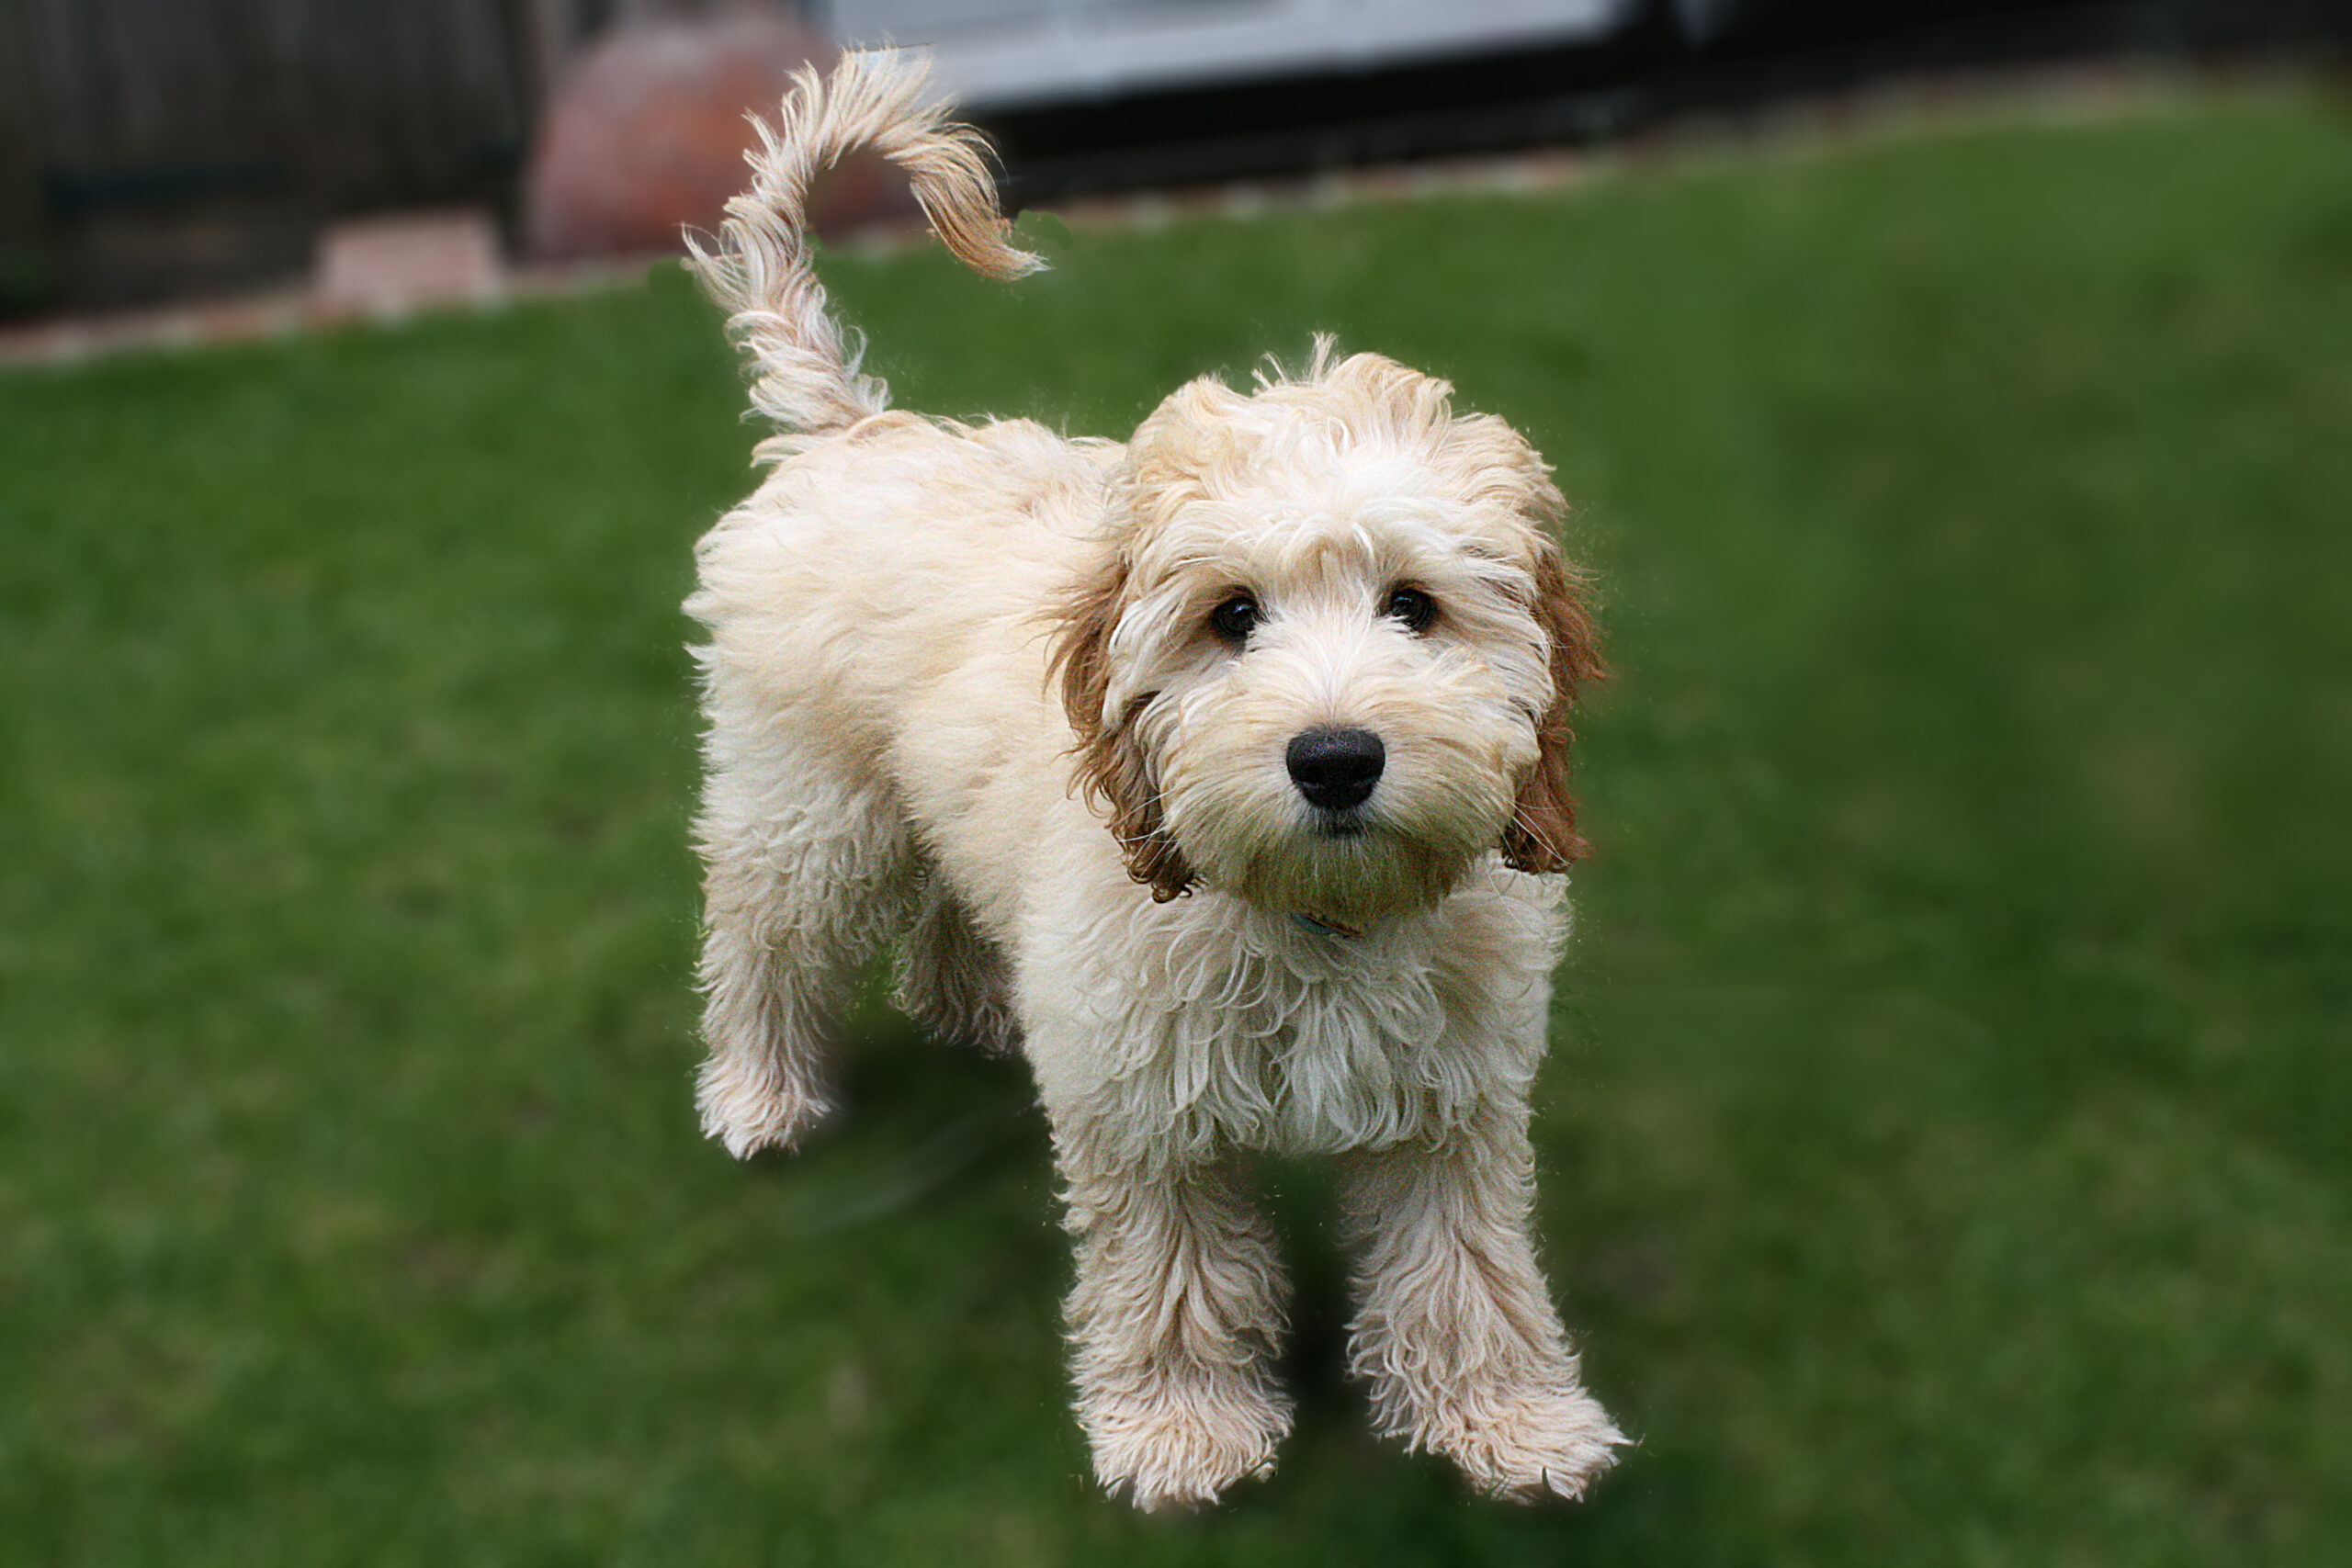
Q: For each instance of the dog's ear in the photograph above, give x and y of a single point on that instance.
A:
(1177, 451)
(1542, 836)
(1111, 766)
(1494, 466)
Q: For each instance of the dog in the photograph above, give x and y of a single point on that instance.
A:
(1222, 773)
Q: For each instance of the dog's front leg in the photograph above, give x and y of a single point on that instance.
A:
(1174, 1320)
(1455, 1331)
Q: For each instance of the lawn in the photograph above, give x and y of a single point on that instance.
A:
(1948, 1142)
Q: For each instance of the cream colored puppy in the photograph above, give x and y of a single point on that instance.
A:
(1223, 774)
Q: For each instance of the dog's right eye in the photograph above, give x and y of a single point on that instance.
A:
(1235, 619)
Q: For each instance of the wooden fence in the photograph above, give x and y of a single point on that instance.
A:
(156, 147)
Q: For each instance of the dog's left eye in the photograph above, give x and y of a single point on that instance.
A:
(1236, 618)
(1412, 606)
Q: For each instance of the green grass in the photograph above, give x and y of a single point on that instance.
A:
(1946, 1153)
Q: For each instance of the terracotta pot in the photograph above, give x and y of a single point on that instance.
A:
(647, 135)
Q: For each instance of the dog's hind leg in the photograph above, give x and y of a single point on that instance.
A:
(952, 979)
(805, 868)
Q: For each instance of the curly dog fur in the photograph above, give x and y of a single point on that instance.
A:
(1222, 773)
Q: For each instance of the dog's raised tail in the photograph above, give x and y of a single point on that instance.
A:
(804, 374)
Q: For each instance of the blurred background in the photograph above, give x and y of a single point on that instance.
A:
(153, 149)
(1944, 1150)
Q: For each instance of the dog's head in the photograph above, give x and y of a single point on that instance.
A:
(1327, 660)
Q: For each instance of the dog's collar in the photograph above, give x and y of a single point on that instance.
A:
(1329, 927)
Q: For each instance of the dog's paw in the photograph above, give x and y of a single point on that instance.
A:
(1527, 1446)
(749, 1109)
(1182, 1449)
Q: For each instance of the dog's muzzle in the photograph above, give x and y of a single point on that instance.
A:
(1335, 769)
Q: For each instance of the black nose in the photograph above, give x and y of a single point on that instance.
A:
(1335, 768)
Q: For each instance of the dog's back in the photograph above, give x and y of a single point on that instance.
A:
(891, 591)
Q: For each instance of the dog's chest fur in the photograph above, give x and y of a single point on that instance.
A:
(1248, 1028)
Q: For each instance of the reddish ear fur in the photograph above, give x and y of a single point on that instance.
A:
(1110, 765)
(1543, 835)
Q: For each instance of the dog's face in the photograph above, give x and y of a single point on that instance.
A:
(1327, 662)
